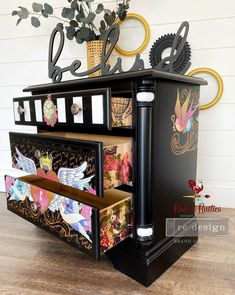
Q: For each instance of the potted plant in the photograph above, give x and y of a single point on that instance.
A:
(81, 20)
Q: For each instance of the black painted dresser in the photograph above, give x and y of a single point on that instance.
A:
(109, 163)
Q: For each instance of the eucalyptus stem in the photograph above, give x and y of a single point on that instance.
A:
(94, 27)
(87, 12)
(78, 18)
(85, 8)
(53, 16)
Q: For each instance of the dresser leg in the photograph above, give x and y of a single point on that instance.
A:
(145, 265)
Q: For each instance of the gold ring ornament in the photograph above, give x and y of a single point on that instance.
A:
(219, 81)
(146, 39)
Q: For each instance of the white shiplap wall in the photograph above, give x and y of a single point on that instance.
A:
(23, 61)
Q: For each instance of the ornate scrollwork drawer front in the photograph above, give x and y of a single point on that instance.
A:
(93, 163)
(81, 219)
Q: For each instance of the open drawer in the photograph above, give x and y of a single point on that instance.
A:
(85, 221)
(94, 163)
(86, 109)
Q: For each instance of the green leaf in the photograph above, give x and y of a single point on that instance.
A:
(92, 36)
(35, 22)
(107, 11)
(74, 5)
(70, 30)
(121, 6)
(122, 11)
(70, 37)
(102, 33)
(14, 12)
(122, 16)
(37, 7)
(18, 21)
(102, 24)
(73, 23)
(109, 19)
(79, 41)
(102, 29)
(90, 18)
(60, 25)
(80, 15)
(23, 13)
(67, 13)
(114, 14)
(44, 13)
(84, 34)
(99, 8)
(48, 8)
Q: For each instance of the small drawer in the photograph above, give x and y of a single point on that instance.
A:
(121, 112)
(92, 224)
(84, 110)
(94, 163)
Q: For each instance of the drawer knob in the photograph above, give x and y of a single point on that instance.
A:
(20, 110)
(34, 207)
(75, 109)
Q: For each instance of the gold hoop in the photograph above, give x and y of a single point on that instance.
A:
(219, 81)
(146, 39)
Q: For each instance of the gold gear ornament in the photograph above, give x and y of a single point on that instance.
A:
(219, 81)
(146, 39)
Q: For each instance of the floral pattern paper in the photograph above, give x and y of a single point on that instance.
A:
(117, 165)
(50, 114)
(115, 225)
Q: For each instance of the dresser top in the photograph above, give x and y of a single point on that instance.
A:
(121, 77)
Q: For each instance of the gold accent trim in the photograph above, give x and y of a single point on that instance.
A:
(191, 143)
(219, 81)
(146, 39)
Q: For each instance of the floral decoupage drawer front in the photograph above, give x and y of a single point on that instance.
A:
(93, 163)
(85, 221)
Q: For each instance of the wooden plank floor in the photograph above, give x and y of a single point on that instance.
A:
(33, 262)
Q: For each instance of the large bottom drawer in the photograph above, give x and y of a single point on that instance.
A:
(85, 221)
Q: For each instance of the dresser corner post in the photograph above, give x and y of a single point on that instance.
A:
(143, 207)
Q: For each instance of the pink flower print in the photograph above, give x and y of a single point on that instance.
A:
(86, 211)
(8, 183)
(91, 190)
(104, 239)
(124, 169)
(16, 166)
(41, 200)
(51, 121)
(110, 163)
